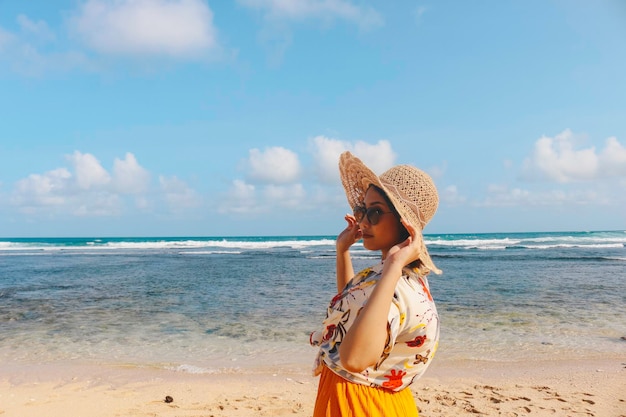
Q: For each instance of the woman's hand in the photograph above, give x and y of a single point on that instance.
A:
(405, 252)
(349, 236)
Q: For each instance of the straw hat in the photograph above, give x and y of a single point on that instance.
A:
(411, 191)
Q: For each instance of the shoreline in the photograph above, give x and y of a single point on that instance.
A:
(590, 387)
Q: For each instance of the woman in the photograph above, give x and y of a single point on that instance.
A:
(381, 329)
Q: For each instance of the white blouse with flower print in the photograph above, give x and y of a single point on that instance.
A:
(412, 330)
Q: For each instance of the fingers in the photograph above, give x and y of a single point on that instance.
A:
(350, 219)
(353, 224)
(351, 233)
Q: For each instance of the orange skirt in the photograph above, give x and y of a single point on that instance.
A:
(338, 397)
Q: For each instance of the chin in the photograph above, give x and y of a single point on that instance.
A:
(370, 244)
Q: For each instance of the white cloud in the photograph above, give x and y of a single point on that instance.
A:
(178, 194)
(378, 157)
(241, 198)
(89, 172)
(98, 204)
(326, 153)
(244, 198)
(5, 38)
(451, 196)
(504, 196)
(86, 189)
(130, 177)
(274, 173)
(291, 196)
(613, 159)
(243, 191)
(34, 50)
(182, 29)
(558, 159)
(276, 34)
(275, 165)
(179, 28)
(273, 176)
(364, 17)
(438, 171)
(39, 29)
(48, 189)
(58, 192)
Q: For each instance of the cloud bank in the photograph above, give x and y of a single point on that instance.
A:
(583, 175)
(103, 31)
(277, 178)
(98, 32)
(275, 165)
(179, 28)
(559, 159)
(85, 188)
(274, 175)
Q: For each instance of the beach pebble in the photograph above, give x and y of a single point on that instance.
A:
(168, 399)
(623, 337)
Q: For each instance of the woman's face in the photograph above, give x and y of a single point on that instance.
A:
(388, 231)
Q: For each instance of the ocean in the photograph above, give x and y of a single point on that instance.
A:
(236, 304)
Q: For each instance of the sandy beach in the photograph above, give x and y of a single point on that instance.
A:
(547, 388)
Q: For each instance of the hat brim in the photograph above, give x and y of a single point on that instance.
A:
(356, 178)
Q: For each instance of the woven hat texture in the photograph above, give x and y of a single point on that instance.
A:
(411, 191)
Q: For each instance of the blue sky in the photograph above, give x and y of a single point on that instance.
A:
(212, 118)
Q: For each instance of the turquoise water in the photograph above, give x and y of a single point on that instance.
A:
(231, 303)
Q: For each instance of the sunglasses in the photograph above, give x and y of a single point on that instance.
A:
(373, 214)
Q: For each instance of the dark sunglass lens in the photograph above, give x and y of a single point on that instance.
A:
(373, 215)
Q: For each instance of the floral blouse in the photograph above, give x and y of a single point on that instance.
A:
(412, 330)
